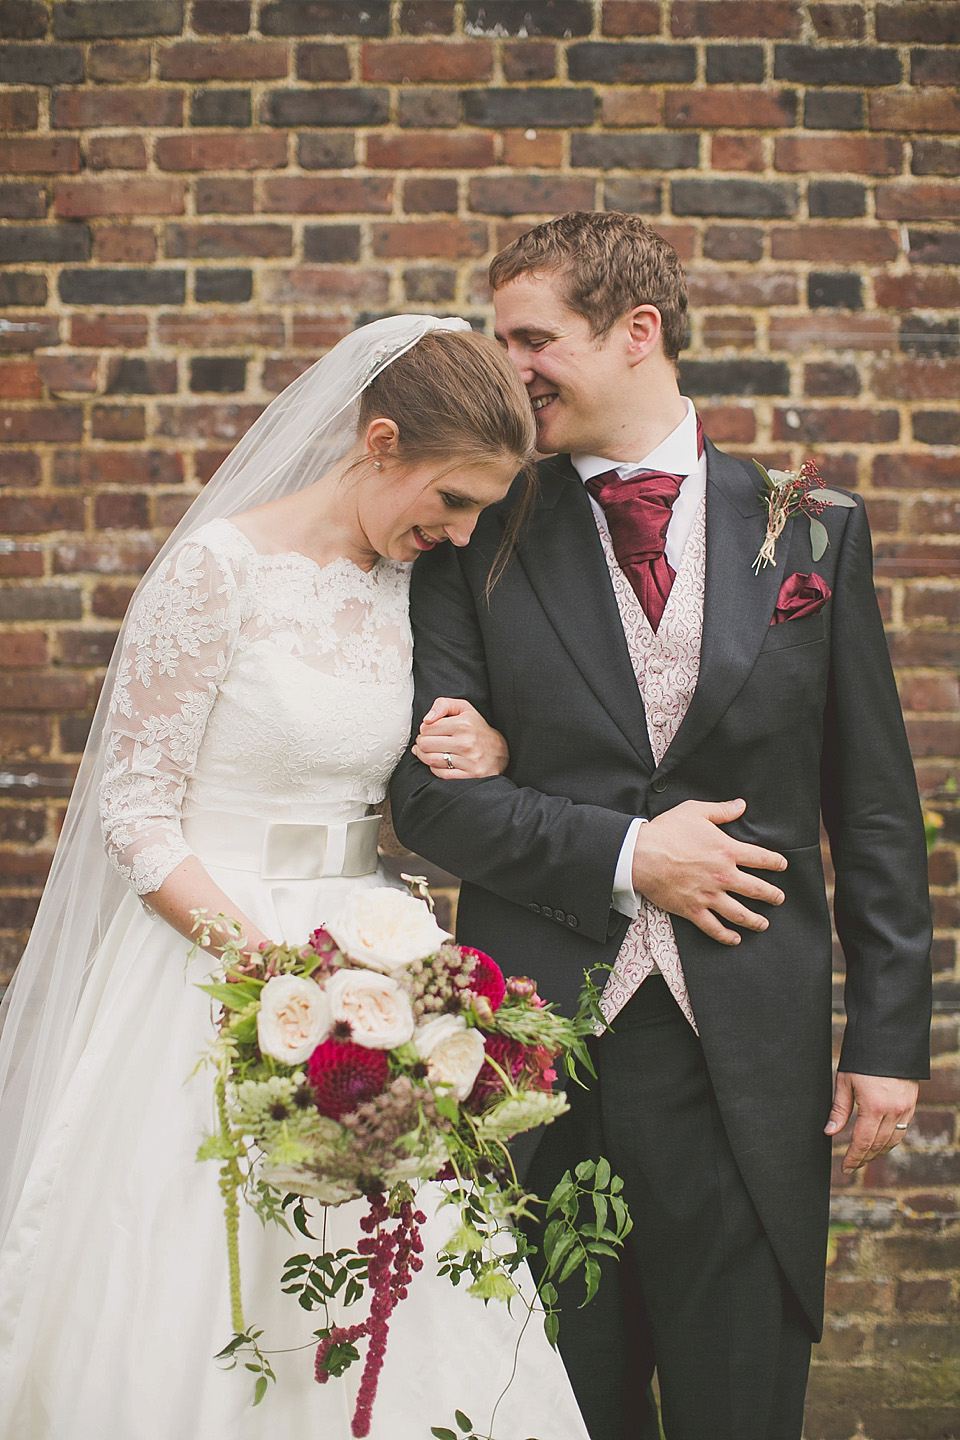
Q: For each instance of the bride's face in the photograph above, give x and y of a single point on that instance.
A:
(406, 510)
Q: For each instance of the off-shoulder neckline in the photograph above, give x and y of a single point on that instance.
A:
(339, 562)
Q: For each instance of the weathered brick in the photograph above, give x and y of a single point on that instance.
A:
(935, 157)
(630, 17)
(40, 602)
(430, 196)
(936, 427)
(75, 199)
(226, 286)
(116, 152)
(86, 648)
(221, 17)
(933, 24)
(23, 19)
(222, 242)
(557, 18)
(767, 19)
(834, 291)
(137, 376)
(636, 197)
(529, 194)
(323, 282)
(428, 107)
(108, 330)
(224, 374)
(722, 287)
(912, 200)
(865, 155)
(402, 62)
(26, 201)
(935, 67)
(428, 151)
(523, 149)
(335, 194)
(735, 377)
(925, 379)
(733, 242)
(831, 425)
(634, 152)
(427, 17)
(320, 17)
(20, 380)
(445, 239)
(840, 243)
(118, 422)
(28, 334)
(20, 562)
(33, 514)
(111, 61)
(343, 106)
(43, 64)
(934, 247)
(223, 60)
(632, 63)
(221, 152)
(98, 19)
(223, 195)
(838, 22)
(117, 467)
(925, 110)
(929, 336)
(19, 110)
(50, 243)
(327, 150)
(759, 199)
(736, 108)
(220, 107)
(113, 555)
(825, 379)
(735, 64)
(203, 421)
(529, 60)
(146, 108)
(323, 63)
(124, 244)
(836, 199)
(69, 374)
(630, 106)
(278, 373)
(836, 65)
(833, 110)
(213, 330)
(430, 284)
(109, 602)
(530, 107)
(36, 155)
(722, 329)
(122, 287)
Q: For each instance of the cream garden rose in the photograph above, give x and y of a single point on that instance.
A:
(375, 1007)
(453, 1053)
(294, 1018)
(386, 929)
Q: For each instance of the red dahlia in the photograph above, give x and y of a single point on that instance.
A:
(486, 977)
(344, 1076)
(511, 1057)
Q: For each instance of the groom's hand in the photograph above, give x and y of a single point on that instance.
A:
(884, 1108)
(684, 863)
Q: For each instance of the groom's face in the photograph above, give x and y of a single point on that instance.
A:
(579, 385)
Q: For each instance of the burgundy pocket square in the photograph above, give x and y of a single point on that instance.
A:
(800, 595)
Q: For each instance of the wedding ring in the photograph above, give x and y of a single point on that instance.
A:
(449, 759)
(901, 1127)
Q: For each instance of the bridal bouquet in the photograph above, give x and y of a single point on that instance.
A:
(374, 1057)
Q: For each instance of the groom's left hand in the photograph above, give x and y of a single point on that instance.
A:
(882, 1103)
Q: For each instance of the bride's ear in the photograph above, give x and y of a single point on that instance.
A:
(380, 440)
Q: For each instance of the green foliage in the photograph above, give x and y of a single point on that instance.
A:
(245, 1344)
(339, 1357)
(318, 1279)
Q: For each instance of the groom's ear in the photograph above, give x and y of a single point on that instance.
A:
(643, 325)
(382, 435)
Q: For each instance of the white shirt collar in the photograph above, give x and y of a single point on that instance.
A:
(677, 454)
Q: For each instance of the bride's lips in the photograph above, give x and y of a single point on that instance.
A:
(422, 540)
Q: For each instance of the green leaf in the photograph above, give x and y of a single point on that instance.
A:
(573, 1260)
(592, 1270)
(558, 1253)
(462, 1421)
(819, 539)
(603, 1174)
(832, 497)
(551, 1326)
(234, 997)
(260, 1389)
(766, 478)
(442, 1433)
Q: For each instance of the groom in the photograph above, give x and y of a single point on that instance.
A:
(678, 721)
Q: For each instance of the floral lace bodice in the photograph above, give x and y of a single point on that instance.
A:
(254, 684)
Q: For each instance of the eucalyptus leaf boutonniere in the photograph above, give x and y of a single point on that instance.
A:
(787, 493)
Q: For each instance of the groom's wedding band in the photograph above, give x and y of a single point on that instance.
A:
(900, 1127)
(449, 759)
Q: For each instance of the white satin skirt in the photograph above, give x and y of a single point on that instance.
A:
(114, 1291)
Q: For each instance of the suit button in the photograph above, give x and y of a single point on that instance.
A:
(572, 921)
(534, 907)
(659, 785)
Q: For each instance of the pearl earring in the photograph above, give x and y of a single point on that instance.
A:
(378, 464)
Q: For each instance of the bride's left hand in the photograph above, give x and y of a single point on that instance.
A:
(457, 743)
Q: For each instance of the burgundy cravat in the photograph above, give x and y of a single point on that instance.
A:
(638, 512)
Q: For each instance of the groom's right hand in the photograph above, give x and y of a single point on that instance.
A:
(685, 864)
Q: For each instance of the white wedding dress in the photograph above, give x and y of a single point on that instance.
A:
(256, 692)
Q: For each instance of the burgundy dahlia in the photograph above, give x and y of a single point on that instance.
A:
(511, 1057)
(486, 977)
(344, 1076)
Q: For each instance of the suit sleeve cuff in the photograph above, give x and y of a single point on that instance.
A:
(624, 896)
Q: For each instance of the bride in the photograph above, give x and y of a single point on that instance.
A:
(258, 699)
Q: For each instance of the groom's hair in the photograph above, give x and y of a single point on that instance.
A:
(608, 263)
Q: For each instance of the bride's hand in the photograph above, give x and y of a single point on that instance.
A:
(457, 743)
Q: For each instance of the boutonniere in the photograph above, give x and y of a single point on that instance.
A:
(789, 492)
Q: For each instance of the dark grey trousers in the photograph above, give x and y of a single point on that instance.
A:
(699, 1296)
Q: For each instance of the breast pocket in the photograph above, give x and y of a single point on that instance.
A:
(789, 633)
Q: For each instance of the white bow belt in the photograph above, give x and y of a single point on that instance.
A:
(279, 850)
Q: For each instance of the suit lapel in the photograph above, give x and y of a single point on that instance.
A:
(737, 604)
(563, 559)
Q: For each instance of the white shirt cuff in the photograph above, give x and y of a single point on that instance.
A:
(624, 896)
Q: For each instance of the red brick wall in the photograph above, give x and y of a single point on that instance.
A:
(200, 197)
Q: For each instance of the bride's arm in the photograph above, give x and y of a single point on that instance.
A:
(178, 641)
(455, 729)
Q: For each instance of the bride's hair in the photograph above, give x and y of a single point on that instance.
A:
(456, 398)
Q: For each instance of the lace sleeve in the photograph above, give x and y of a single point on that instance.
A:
(177, 646)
